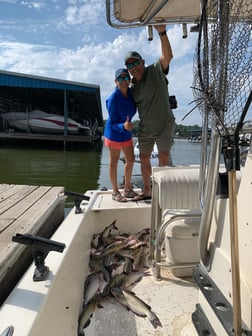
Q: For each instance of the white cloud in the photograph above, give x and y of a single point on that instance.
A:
(92, 49)
(76, 43)
(33, 4)
(85, 12)
(96, 63)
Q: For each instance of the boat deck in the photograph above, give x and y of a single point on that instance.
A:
(104, 201)
(173, 299)
(25, 209)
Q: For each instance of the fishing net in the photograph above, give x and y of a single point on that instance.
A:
(222, 88)
(223, 62)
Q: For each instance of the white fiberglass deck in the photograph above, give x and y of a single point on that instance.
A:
(172, 299)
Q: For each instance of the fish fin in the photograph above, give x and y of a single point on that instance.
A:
(137, 313)
(87, 323)
(147, 273)
(133, 293)
(129, 291)
(114, 226)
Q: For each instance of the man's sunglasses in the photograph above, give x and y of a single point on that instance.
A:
(133, 64)
(121, 79)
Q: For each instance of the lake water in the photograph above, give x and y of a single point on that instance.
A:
(76, 170)
(183, 153)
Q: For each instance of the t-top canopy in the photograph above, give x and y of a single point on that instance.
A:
(135, 13)
(130, 13)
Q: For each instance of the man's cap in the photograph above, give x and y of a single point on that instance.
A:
(132, 54)
(120, 72)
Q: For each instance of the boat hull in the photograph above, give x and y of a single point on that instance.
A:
(42, 122)
(52, 307)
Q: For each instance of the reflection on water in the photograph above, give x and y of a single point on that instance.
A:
(183, 153)
(76, 169)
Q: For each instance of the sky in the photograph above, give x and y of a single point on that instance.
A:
(71, 40)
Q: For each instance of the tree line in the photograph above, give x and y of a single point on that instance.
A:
(182, 131)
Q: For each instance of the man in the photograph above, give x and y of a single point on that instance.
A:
(157, 122)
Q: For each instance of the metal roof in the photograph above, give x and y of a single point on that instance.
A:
(19, 92)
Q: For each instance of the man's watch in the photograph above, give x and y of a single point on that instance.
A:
(162, 33)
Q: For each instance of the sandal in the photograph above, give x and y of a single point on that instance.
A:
(117, 196)
(130, 193)
(141, 197)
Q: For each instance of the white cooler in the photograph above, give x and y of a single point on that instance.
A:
(181, 244)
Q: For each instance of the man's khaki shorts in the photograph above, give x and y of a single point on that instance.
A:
(164, 140)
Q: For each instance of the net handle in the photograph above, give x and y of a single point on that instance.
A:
(243, 115)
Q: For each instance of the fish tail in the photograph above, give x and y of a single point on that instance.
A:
(155, 321)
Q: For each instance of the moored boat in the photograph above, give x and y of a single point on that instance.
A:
(41, 122)
(31, 305)
(153, 157)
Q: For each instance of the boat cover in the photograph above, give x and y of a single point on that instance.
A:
(146, 12)
(134, 13)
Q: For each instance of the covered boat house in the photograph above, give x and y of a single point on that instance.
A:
(33, 107)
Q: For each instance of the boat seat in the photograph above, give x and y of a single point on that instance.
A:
(176, 187)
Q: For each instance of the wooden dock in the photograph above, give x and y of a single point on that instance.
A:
(36, 210)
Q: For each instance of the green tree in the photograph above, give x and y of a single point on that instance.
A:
(182, 131)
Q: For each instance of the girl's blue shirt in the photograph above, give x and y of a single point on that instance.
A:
(119, 108)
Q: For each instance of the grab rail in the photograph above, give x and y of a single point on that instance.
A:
(211, 187)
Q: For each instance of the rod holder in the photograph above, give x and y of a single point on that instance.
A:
(40, 248)
(78, 198)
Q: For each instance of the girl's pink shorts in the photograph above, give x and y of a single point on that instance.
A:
(116, 144)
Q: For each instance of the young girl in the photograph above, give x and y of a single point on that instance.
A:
(121, 108)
